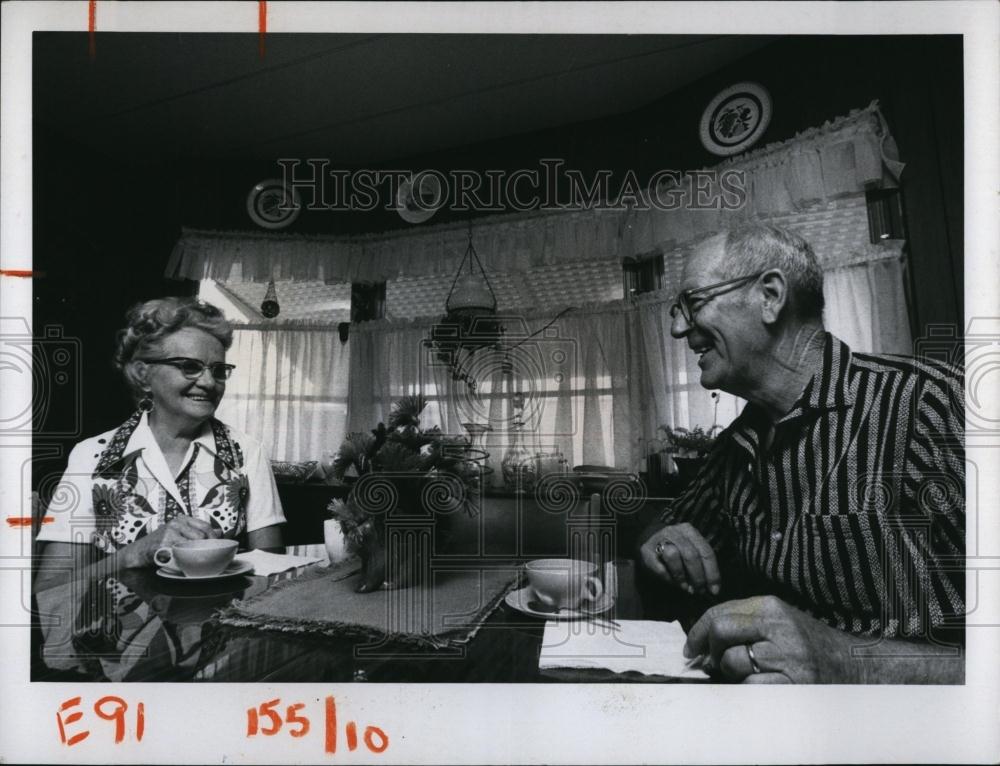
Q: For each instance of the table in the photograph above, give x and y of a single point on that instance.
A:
(136, 626)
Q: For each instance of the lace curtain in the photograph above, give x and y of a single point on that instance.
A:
(602, 379)
(598, 383)
(866, 304)
(578, 379)
(289, 388)
(388, 361)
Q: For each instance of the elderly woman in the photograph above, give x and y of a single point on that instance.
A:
(171, 472)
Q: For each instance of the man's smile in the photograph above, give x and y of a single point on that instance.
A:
(700, 349)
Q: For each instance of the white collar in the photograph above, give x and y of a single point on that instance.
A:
(142, 438)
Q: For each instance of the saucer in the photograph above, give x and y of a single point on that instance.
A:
(235, 568)
(518, 599)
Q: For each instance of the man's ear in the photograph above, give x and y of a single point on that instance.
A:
(774, 289)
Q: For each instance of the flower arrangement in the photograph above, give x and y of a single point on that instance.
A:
(408, 470)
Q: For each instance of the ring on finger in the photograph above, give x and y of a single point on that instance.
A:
(753, 659)
(659, 547)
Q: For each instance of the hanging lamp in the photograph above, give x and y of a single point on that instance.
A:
(471, 294)
(269, 306)
(470, 321)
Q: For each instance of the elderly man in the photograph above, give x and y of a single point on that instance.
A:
(835, 500)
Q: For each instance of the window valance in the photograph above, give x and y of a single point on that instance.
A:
(838, 159)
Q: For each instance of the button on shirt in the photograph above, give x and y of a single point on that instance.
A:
(856, 511)
(232, 488)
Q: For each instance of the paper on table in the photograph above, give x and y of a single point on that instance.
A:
(265, 563)
(644, 646)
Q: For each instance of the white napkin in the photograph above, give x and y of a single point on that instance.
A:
(645, 646)
(265, 563)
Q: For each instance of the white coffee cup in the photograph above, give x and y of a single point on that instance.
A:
(564, 583)
(198, 558)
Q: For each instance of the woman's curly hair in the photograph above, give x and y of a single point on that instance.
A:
(150, 322)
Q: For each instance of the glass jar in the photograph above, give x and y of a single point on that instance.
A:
(518, 466)
(548, 463)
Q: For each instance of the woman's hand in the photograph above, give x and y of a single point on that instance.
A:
(177, 530)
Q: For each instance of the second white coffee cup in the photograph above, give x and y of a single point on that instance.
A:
(564, 583)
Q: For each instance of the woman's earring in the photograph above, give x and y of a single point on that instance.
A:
(146, 403)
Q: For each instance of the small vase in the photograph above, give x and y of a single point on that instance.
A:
(518, 465)
(397, 546)
(371, 552)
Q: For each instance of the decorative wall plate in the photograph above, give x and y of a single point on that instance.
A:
(736, 118)
(273, 206)
(418, 198)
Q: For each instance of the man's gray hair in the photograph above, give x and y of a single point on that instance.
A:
(758, 247)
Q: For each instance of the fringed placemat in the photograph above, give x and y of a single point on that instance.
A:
(447, 610)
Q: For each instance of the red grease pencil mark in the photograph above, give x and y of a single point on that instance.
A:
(261, 25)
(299, 725)
(25, 273)
(330, 745)
(71, 718)
(92, 26)
(370, 734)
(110, 708)
(25, 521)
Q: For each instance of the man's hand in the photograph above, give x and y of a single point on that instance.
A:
(788, 645)
(681, 556)
(177, 530)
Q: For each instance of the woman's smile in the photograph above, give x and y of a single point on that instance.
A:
(174, 394)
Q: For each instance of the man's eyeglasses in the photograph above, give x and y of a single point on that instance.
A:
(193, 368)
(689, 302)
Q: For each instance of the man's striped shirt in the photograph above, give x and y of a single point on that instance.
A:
(856, 512)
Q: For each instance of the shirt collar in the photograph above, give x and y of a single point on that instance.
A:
(828, 389)
(142, 437)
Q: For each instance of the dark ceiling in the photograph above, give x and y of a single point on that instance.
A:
(351, 98)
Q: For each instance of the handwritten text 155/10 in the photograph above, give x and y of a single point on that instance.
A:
(266, 719)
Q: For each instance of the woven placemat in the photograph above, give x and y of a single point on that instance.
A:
(448, 610)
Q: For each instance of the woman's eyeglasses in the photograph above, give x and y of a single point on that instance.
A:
(193, 368)
(689, 302)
